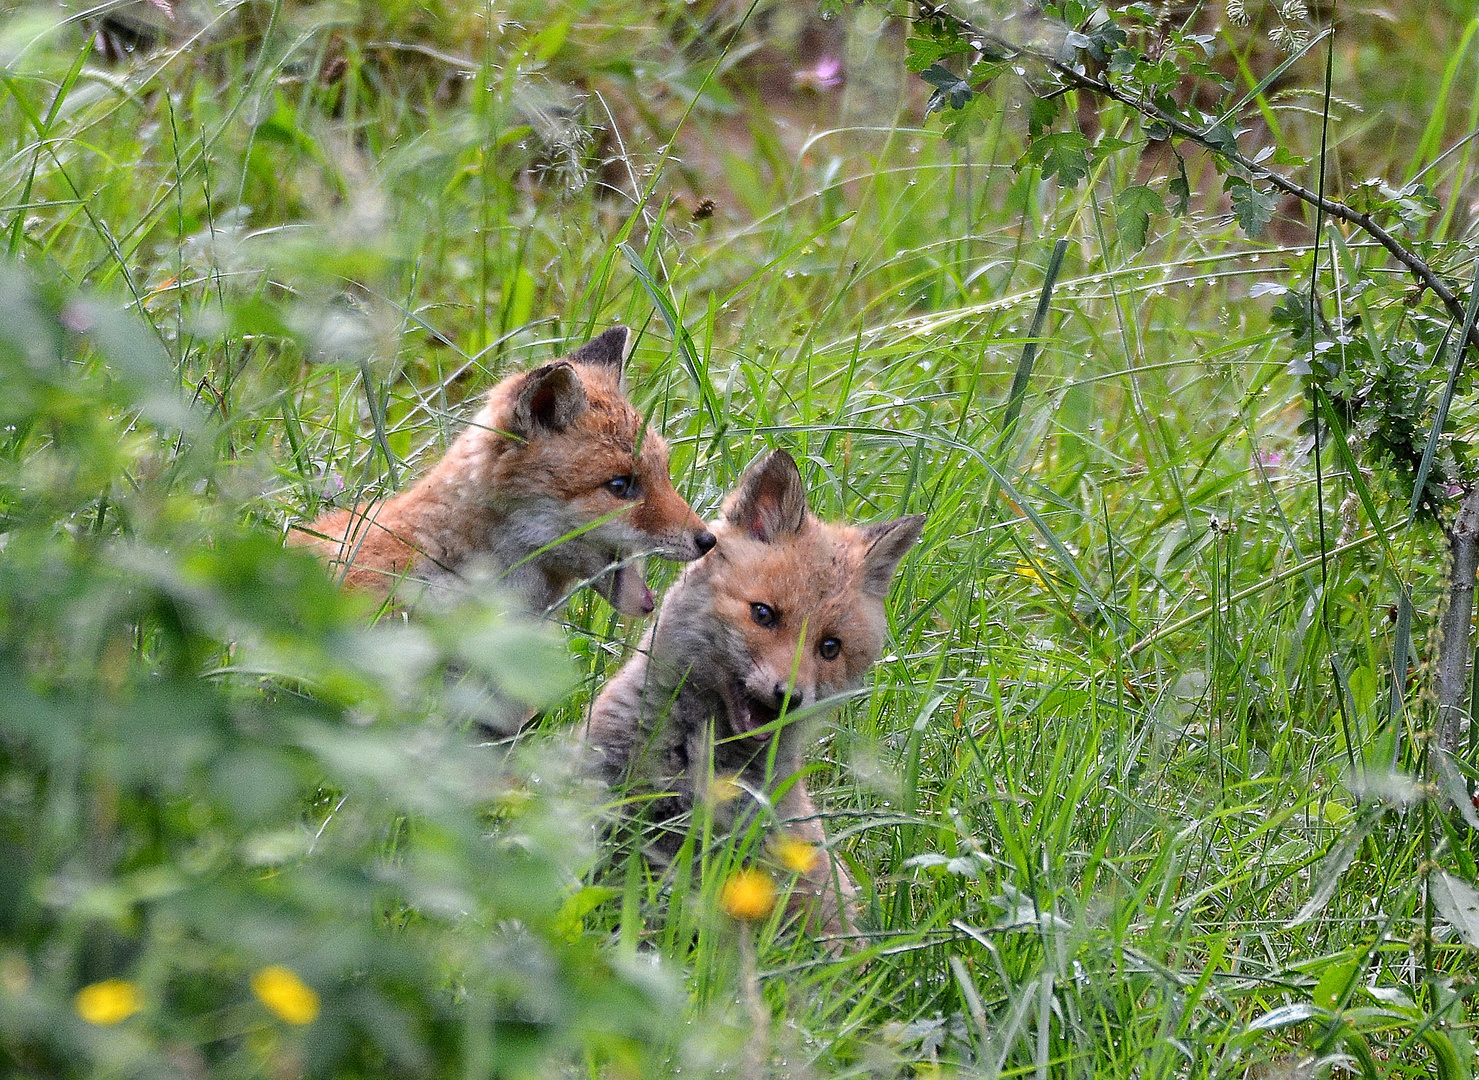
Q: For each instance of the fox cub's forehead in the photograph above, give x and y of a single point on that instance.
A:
(806, 572)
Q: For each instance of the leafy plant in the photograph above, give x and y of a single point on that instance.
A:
(240, 832)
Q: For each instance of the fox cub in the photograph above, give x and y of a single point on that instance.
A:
(555, 484)
(784, 614)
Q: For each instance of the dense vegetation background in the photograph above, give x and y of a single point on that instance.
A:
(1145, 786)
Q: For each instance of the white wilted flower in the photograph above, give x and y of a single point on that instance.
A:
(1237, 14)
(1294, 11)
(1288, 38)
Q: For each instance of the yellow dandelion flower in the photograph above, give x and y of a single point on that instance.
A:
(725, 789)
(109, 1002)
(797, 856)
(286, 996)
(1032, 574)
(748, 895)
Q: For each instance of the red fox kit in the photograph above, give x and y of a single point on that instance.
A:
(555, 483)
(786, 612)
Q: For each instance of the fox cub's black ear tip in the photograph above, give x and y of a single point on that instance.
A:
(551, 399)
(770, 501)
(888, 542)
(778, 466)
(608, 349)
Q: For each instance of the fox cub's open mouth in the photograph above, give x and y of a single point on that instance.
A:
(626, 588)
(747, 713)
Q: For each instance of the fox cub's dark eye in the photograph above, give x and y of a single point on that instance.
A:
(763, 614)
(829, 648)
(620, 486)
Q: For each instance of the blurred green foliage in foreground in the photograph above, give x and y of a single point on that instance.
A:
(154, 835)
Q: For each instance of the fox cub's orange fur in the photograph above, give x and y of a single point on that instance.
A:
(786, 612)
(556, 452)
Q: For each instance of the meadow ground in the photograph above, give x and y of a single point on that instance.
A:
(1135, 792)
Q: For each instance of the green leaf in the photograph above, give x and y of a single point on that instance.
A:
(1133, 208)
(951, 90)
(1041, 113)
(1254, 208)
(1063, 154)
(1180, 187)
(1221, 139)
(927, 51)
(1333, 984)
(1104, 40)
(1458, 902)
(567, 921)
(962, 123)
(1106, 146)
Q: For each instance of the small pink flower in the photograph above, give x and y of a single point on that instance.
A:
(825, 74)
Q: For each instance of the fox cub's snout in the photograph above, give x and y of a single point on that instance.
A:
(556, 483)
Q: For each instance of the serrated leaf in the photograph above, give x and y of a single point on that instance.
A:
(952, 91)
(1254, 208)
(1041, 112)
(1133, 208)
(1458, 902)
(1106, 146)
(961, 124)
(1063, 154)
(927, 51)
(1222, 139)
(1104, 39)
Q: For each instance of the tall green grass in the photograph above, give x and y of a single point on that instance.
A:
(1135, 791)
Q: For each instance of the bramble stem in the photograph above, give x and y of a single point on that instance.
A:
(1453, 656)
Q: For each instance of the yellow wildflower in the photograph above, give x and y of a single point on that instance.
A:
(748, 895)
(797, 856)
(109, 1002)
(725, 788)
(1031, 573)
(286, 996)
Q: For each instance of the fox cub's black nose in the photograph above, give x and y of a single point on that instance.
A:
(779, 693)
(704, 541)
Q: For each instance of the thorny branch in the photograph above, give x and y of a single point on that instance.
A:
(1453, 655)
(1080, 80)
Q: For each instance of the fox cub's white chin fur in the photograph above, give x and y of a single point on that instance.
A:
(785, 613)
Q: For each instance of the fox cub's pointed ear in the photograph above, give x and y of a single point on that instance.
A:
(888, 542)
(770, 501)
(608, 350)
(550, 400)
